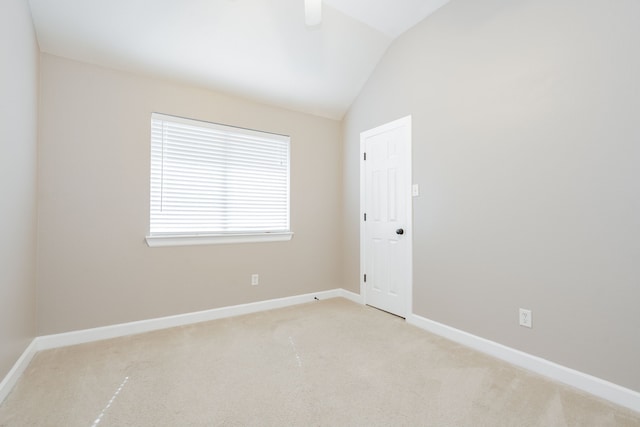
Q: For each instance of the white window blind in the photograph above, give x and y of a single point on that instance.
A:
(211, 179)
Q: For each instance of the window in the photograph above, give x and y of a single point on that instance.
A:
(212, 183)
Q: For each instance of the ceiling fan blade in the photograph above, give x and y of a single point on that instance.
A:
(313, 12)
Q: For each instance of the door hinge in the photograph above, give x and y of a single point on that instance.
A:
(365, 278)
(365, 156)
(365, 217)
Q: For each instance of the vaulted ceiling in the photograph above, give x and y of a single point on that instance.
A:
(257, 49)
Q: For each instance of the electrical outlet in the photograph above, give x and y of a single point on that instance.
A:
(255, 279)
(525, 318)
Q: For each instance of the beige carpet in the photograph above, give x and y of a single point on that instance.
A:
(328, 363)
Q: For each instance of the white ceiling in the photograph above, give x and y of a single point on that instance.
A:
(258, 49)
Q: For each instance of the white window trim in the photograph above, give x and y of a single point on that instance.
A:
(169, 239)
(216, 239)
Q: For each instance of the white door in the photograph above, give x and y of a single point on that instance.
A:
(386, 244)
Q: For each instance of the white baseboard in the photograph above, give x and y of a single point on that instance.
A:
(590, 384)
(606, 390)
(47, 342)
(351, 296)
(123, 329)
(10, 380)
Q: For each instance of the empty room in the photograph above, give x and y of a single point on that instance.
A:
(319, 213)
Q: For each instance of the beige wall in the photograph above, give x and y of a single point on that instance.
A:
(526, 146)
(95, 268)
(18, 170)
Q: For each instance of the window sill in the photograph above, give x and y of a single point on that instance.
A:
(216, 239)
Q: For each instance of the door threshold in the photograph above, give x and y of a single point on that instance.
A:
(388, 312)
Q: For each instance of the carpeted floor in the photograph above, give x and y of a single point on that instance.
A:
(328, 363)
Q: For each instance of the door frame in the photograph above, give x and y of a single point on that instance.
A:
(408, 157)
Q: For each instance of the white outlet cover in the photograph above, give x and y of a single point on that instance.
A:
(415, 190)
(255, 279)
(525, 318)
